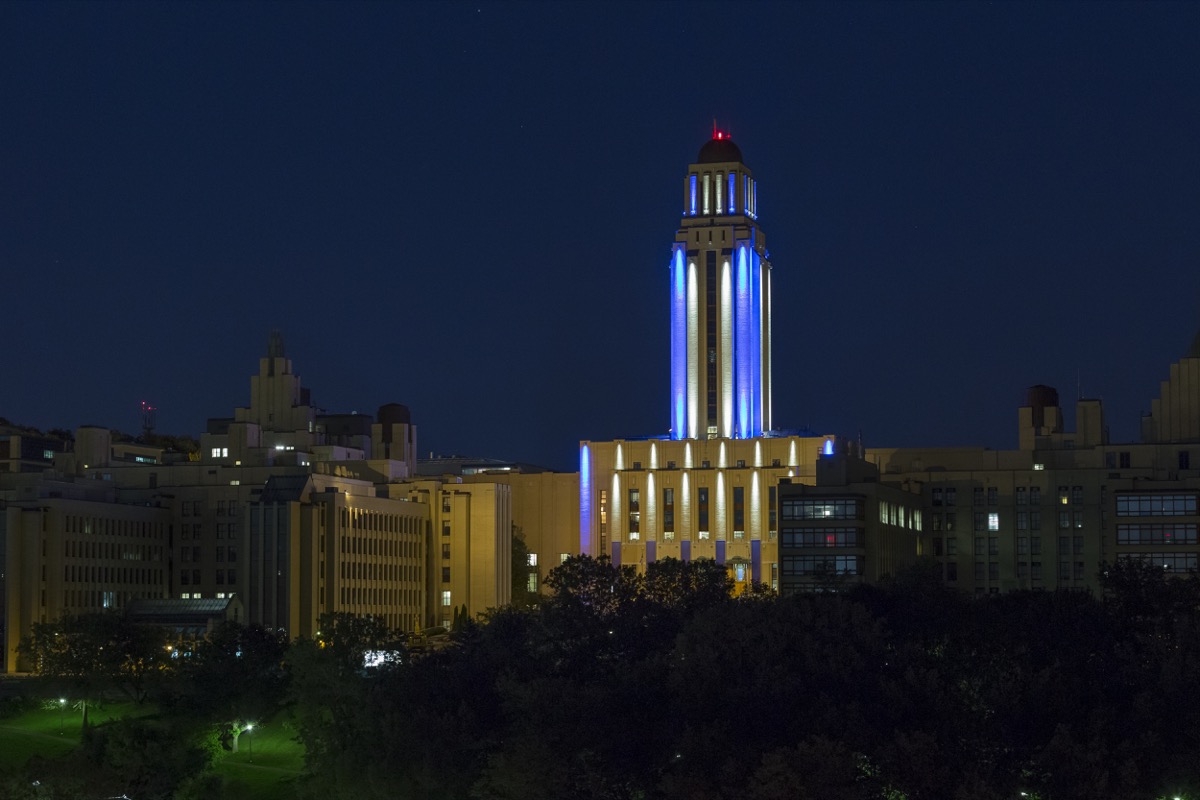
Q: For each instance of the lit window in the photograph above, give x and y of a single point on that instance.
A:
(562, 557)
(531, 586)
(531, 560)
(446, 598)
(48, 454)
(993, 521)
(216, 452)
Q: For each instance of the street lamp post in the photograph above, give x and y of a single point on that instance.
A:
(249, 728)
(62, 704)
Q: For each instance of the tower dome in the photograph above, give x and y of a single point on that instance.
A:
(719, 150)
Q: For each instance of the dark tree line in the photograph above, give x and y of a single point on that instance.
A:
(620, 686)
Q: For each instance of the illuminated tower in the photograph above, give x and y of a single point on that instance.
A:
(720, 302)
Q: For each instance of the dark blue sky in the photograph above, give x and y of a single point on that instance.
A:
(468, 208)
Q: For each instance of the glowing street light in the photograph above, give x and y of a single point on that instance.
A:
(249, 728)
(62, 704)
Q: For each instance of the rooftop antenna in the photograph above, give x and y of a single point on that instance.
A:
(148, 419)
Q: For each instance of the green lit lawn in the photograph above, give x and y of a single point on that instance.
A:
(265, 774)
(51, 732)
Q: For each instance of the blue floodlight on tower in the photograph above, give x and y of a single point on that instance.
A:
(678, 345)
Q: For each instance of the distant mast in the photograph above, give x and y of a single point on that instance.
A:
(148, 419)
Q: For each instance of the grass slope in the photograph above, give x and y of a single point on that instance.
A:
(268, 760)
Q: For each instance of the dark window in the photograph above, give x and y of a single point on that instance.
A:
(668, 511)
(772, 495)
(739, 512)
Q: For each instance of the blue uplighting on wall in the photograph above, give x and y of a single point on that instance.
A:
(732, 192)
(742, 345)
(828, 449)
(678, 346)
(692, 206)
(585, 500)
(756, 404)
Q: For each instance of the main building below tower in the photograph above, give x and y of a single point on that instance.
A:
(710, 488)
(720, 302)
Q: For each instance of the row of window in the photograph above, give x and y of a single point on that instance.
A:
(899, 516)
(669, 536)
(375, 521)
(1169, 562)
(1025, 521)
(191, 577)
(111, 527)
(990, 495)
(364, 596)
(225, 530)
(372, 546)
(358, 570)
(1026, 570)
(1157, 533)
(1026, 545)
(187, 554)
(634, 519)
(1156, 505)
(86, 573)
(830, 508)
(111, 550)
(816, 566)
(822, 537)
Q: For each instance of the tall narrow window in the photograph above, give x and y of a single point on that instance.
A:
(732, 192)
(702, 504)
(707, 182)
(739, 512)
(668, 513)
(635, 515)
(772, 515)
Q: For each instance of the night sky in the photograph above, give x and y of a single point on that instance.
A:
(469, 209)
